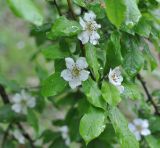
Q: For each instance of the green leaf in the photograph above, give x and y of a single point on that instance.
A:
(27, 10)
(133, 57)
(152, 141)
(49, 135)
(32, 119)
(143, 28)
(132, 91)
(116, 11)
(133, 62)
(93, 93)
(149, 57)
(113, 51)
(64, 28)
(54, 52)
(8, 115)
(92, 124)
(120, 125)
(110, 93)
(133, 14)
(91, 57)
(53, 85)
(80, 3)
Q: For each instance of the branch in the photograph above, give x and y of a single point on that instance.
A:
(56, 5)
(71, 9)
(6, 134)
(4, 95)
(150, 99)
(5, 99)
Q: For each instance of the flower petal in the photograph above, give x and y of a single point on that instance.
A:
(131, 127)
(94, 37)
(84, 37)
(138, 121)
(66, 74)
(145, 124)
(84, 74)
(145, 132)
(16, 108)
(18, 135)
(137, 135)
(69, 63)
(16, 98)
(90, 16)
(82, 23)
(81, 63)
(120, 88)
(31, 102)
(74, 83)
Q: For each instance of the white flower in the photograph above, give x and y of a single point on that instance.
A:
(116, 78)
(22, 101)
(65, 134)
(139, 127)
(89, 27)
(18, 135)
(75, 72)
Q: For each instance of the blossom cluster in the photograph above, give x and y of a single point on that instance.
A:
(75, 72)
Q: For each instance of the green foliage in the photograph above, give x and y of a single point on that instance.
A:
(27, 10)
(120, 125)
(64, 28)
(91, 57)
(92, 124)
(53, 85)
(110, 94)
(95, 114)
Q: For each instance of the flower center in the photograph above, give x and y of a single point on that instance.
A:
(90, 27)
(139, 128)
(75, 72)
(23, 102)
(114, 77)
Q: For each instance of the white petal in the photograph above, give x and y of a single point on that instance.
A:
(116, 74)
(82, 23)
(110, 75)
(31, 102)
(24, 95)
(68, 141)
(81, 63)
(138, 121)
(16, 98)
(74, 83)
(64, 129)
(94, 37)
(90, 16)
(145, 124)
(84, 74)
(131, 127)
(69, 63)
(66, 74)
(120, 88)
(17, 134)
(145, 132)
(97, 26)
(84, 37)
(24, 110)
(16, 108)
(137, 135)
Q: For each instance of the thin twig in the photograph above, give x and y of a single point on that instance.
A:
(5, 99)
(6, 134)
(56, 5)
(71, 9)
(4, 95)
(150, 99)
